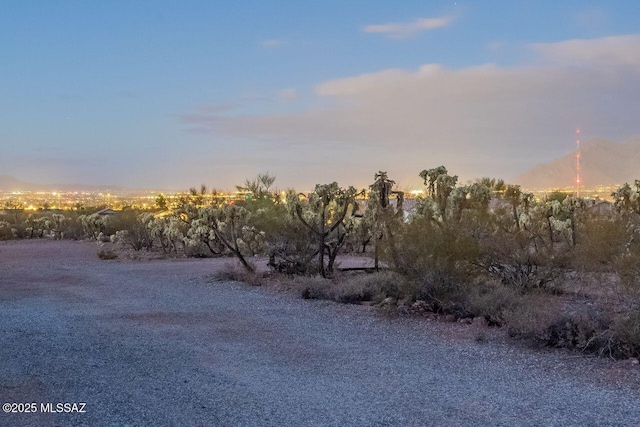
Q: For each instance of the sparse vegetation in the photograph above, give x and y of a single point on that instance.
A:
(486, 249)
(107, 254)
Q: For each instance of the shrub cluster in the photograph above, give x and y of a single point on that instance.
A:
(484, 249)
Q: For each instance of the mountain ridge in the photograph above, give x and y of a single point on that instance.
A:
(10, 183)
(602, 163)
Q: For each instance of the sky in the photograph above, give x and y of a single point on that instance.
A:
(172, 94)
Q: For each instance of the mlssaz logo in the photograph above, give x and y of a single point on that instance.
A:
(63, 407)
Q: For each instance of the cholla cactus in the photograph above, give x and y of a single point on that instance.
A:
(627, 198)
(428, 208)
(5, 230)
(173, 233)
(36, 227)
(252, 241)
(142, 234)
(56, 225)
(93, 225)
(440, 185)
(222, 228)
(325, 214)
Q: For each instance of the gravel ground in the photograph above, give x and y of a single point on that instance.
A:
(154, 343)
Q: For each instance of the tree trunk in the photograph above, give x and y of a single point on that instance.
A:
(573, 230)
(322, 235)
(550, 233)
(515, 217)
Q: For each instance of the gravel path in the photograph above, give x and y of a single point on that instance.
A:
(153, 343)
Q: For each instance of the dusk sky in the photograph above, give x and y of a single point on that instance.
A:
(171, 94)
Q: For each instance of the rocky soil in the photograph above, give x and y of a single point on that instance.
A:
(155, 342)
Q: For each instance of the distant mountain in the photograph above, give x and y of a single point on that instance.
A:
(10, 183)
(602, 162)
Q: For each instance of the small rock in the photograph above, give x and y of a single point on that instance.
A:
(449, 318)
(634, 361)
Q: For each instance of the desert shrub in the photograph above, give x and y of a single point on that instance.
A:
(532, 316)
(19, 231)
(142, 231)
(492, 302)
(6, 232)
(351, 292)
(388, 284)
(425, 244)
(292, 248)
(441, 260)
(122, 220)
(604, 241)
(352, 288)
(232, 272)
(314, 287)
(438, 259)
(107, 254)
(512, 259)
(627, 268)
(626, 330)
(375, 286)
(442, 291)
(195, 249)
(587, 329)
(317, 287)
(72, 228)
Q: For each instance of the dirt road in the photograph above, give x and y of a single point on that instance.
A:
(154, 343)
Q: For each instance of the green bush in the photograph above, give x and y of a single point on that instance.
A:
(604, 242)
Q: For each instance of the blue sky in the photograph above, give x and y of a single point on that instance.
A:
(170, 94)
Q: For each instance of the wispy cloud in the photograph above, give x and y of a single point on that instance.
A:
(403, 30)
(479, 120)
(272, 43)
(219, 108)
(289, 94)
(605, 51)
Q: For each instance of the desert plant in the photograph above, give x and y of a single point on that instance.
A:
(626, 330)
(492, 302)
(326, 214)
(107, 254)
